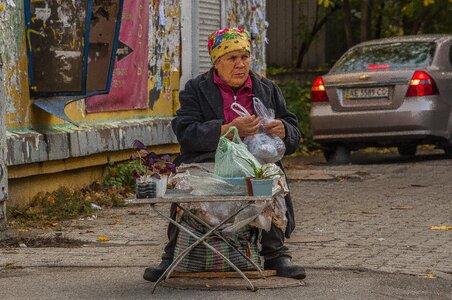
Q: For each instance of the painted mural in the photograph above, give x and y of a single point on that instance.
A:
(250, 14)
(129, 84)
(164, 47)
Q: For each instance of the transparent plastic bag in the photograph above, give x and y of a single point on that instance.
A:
(232, 155)
(265, 148)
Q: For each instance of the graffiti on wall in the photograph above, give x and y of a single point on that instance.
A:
(250, 14)
(129, 84)
(163, 53)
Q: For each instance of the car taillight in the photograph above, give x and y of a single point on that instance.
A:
(421, 84)
(318, 93)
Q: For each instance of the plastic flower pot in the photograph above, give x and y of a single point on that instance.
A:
(160, 185)
(262, 187)
(145, 188)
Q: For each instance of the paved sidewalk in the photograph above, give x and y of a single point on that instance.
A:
(364, 216)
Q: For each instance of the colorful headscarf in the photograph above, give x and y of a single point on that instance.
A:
(227, 40)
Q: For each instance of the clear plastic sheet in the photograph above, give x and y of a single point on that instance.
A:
(198, 179)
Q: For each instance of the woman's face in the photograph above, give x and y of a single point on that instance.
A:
(234, 67)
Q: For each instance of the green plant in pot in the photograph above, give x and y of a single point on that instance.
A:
(262, 181)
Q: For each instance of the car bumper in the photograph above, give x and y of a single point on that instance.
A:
(416, 118)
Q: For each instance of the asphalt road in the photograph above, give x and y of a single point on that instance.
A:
(126, 283)
(374, 229)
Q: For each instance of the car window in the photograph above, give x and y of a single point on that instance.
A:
(386, 56)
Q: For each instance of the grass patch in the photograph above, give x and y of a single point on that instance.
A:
(48, 208)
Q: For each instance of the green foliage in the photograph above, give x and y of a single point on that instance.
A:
(260, 172)
(64, 203)
(68, 203)
(120, 176)
(298, 99)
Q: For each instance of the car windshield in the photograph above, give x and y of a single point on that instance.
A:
(386, 56)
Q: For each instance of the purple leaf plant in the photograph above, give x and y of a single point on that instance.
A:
(154, 165)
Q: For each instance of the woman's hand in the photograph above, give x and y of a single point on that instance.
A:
(246, 126)
(275, 127)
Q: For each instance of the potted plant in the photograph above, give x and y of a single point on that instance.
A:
(151, 171)
(262, 181)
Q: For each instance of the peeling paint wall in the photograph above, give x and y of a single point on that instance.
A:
(163, 69)
(14, 72)
(3, 170)
(250, 14)
(164, 47)
(37, 140)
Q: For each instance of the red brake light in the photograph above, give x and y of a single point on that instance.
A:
(378, 66)
(421, 84)
(318, 93)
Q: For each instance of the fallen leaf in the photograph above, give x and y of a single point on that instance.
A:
(441, 227)
(430, 276)
(102, 238)
(363, 212)
(417, 185)
(401, 207)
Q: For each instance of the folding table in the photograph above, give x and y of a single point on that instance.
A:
(213, 230)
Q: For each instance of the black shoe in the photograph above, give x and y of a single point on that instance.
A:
(285, 268)
(153, 273)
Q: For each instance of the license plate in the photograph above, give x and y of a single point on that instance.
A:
(366, 93)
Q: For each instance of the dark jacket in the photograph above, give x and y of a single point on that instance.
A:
(198, 121)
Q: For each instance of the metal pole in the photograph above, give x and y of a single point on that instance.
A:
(3, 170)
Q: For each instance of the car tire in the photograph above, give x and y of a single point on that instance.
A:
(337, 155)
(407, 150)
(448, 151)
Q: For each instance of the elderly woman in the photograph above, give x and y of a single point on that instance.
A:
(205, 114)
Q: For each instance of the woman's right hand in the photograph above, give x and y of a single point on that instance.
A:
(245, 125)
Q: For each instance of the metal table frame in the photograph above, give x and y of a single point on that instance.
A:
(212, 230)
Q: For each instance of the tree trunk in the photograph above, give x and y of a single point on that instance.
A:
(379, 25)
(366, 11)
(348, 23)
(318, 24)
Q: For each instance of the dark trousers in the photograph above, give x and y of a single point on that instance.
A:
(272, 241)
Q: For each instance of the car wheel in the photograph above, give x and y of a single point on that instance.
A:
(407, 150)
(339, 154)
(448, 151)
